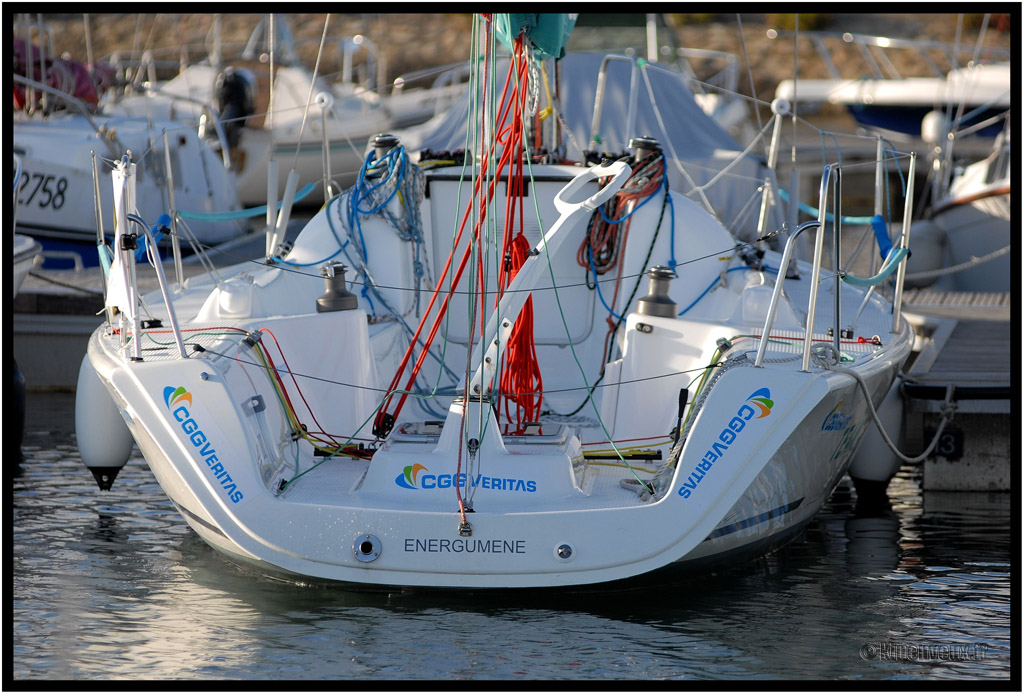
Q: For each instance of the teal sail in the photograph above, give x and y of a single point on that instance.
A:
(548, 33)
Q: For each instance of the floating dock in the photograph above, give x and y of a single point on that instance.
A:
(976, 356)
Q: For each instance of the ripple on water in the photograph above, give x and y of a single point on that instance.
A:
(115, 585)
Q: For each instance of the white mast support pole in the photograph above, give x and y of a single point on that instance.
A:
(42, 58)
(826, 180)
(179, 271)
(837, 247)
(98, 211)
(879, 193)
(151, 248)
(500, 322)
(286, 210)
(271, 203)
(652, 38)
(634, 88)
(272, 164)
(97, 201)
(602, 76)
(779, 108)
(270, 107)
(769, 320)
(127, 299)
(901, 271)
(326, 103)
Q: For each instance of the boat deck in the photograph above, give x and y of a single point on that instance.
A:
(335, 482)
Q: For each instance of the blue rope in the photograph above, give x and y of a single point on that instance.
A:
(597, 284)
(890, 266)
(813, 212)
(719, 279)
(672, 221)
(242, 214)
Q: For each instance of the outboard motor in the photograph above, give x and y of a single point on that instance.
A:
(236, 99)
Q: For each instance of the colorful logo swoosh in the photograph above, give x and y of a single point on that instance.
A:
(409, 476)
(762, 399)
(172, 396)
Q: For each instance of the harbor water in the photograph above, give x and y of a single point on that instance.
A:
(115, 586)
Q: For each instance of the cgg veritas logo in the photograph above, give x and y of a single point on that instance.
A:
(760, 399)
(176, 399)
(411, 478)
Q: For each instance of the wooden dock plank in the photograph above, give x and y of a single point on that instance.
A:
(977, 352)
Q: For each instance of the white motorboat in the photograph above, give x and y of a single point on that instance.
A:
(62, 151)
(513, 394)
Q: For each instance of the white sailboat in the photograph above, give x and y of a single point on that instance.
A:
(520, 390)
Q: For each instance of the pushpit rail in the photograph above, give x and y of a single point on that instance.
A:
(895, 262)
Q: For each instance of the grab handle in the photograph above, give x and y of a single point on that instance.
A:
(619, 169)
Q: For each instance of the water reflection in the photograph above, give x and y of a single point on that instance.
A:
(114, 585)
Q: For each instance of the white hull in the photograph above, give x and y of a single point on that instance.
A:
(988, 85)
(25, 250)
(352, 118)
(56, 198)
(969, 230)
(764, 450)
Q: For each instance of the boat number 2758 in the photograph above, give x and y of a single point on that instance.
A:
(45, 190)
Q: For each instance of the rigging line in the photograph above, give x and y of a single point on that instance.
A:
(668, 140)
(473, 102)
(510, 137)
(58, 283)
(309, 96)
(750, 73)
(299, 374)
(565, 326)
(135, 40)
(285, 266)
(760, 137)
(442, 311)
(488, 71)
(297, 388)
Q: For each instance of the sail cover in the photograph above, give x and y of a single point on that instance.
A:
(548, 33)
